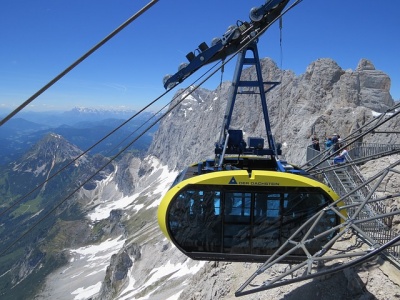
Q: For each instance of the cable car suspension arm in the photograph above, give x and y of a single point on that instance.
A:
(231, 41)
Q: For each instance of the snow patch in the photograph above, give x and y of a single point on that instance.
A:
(99, 256)
(126, 293)
(186, 270)
(175, 270)
(82, 293)
(38, 170)
(175, 297)
(377, 114)
(82, 277)
(103, 210)
(167, 178)
(91, 252)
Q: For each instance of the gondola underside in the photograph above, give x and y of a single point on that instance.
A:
(244, 216)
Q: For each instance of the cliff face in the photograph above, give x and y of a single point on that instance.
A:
(326, 99)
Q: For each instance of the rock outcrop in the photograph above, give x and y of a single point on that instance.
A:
(117, 271)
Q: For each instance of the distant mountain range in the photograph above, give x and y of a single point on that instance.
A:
(76, 115)
(81, 126)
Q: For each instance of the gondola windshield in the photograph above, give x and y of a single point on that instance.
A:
(238, 223)
(277, 211)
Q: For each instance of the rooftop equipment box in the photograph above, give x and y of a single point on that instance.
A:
(255, 142)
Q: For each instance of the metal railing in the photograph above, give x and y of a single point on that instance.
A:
(357, 150)
(360, 150)
(347, 180)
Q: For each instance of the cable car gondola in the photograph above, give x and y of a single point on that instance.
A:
(241, 215)
(244, 204)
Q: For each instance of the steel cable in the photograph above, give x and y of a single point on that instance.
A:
(78, 61)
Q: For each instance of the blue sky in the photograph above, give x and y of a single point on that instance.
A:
(39, 39)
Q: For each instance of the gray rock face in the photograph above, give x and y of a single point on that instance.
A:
(116, 274)
(374, 87)
(325, 99)
(127, 175)
(188, 133)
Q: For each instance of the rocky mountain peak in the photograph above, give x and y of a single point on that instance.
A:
(319, 100)
(365, 64)
(52, 149)
(323, 73)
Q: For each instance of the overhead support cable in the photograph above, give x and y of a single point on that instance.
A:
(77, 62)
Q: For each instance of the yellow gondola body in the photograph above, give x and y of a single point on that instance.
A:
(242, 215)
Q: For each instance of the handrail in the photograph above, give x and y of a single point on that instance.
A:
(379, 230)
(368, 149)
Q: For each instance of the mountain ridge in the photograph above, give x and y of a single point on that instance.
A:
(18, 135)
(31, 196)
(321, 98)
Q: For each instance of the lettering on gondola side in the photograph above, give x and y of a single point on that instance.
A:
(253, 183)
(258, 183)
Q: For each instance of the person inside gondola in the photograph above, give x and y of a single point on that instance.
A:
(208, 236)
(178, 213)
(260, 205)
